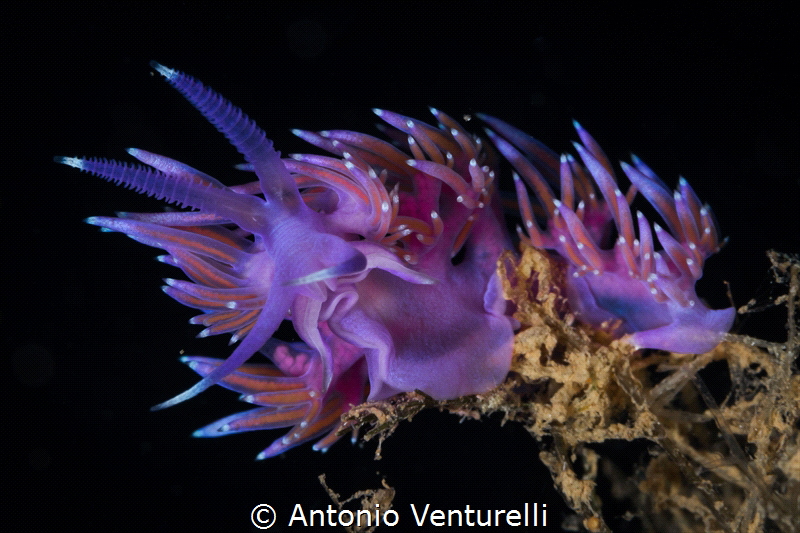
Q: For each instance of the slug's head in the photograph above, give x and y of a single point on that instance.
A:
(355, 249)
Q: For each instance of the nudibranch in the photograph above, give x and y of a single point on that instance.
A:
(383, 260)
(615, 280)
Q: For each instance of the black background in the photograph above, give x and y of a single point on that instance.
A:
(94, 343)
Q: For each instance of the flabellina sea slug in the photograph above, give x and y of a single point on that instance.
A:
(384, 258)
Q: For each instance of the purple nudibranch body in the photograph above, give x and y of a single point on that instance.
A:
(357, 250)
(622, 285)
